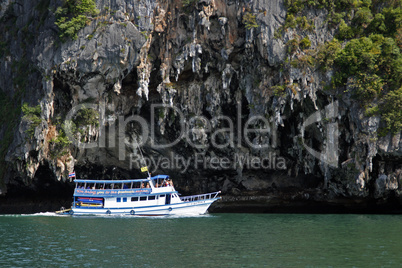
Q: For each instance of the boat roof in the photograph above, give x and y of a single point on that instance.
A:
(122, 181)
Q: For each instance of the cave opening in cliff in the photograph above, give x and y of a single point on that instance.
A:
(62, 95)
(346, 140)
(130, 83)
(293, 143)
(48, 186)
(385, 164)
(44, 185)
(43, 193)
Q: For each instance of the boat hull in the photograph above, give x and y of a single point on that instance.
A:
(184, 208)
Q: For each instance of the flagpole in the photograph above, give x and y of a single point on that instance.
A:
(143, 160)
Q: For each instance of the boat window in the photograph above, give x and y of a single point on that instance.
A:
(133, 199)
(143, 198)
(124, 199)
(118, 199)
(162, 195)
(152, 197)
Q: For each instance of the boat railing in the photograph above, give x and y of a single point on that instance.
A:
(200, 197)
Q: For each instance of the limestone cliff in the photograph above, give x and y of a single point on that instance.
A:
(193, 74)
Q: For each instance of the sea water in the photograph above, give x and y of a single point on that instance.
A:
(212, 240)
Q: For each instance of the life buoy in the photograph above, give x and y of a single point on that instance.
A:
(170, 209)
(132, 212)
(71, 212)
(108, 212)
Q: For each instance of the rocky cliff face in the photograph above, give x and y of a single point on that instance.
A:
(212, 81)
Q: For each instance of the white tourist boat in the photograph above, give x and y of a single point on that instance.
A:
(152, 196)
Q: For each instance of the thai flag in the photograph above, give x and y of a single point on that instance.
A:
(71, 175)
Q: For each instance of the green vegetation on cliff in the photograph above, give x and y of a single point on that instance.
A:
(250, 21)
(366, 55)
(391, 110)
(59, 145)
(32, 115)
(73, 15)
(87, 116)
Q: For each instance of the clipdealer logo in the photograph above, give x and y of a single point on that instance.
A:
(195, 130)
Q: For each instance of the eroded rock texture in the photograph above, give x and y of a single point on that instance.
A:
(201, 58)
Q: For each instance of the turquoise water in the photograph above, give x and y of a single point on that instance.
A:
(216, 240)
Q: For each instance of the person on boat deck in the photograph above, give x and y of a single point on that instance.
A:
(125, 186)
(148, 185)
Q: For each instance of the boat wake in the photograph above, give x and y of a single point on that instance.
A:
(46, 214)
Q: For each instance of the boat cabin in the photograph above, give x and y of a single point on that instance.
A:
(153, 191)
